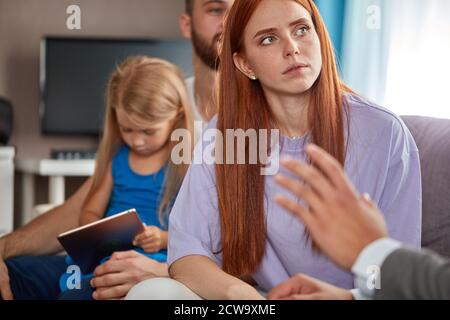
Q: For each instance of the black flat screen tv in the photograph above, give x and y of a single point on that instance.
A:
(74, 73)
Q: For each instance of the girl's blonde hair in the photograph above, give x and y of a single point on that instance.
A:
(150, 90)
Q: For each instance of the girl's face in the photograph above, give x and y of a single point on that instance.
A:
(143, 138)
(282, 48)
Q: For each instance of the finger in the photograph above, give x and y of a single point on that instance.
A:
(311, 176)
(331, 167)
(148, 233)
(116, 292)
(5, 287)
(150, 243)
(111, 266)
(150, 248)
(145, 241)
(140, 236)
(110, 280)
(306, 297)
(120, 255)
(5, 290)
(297, 210)
(283, 290)
(301, 191)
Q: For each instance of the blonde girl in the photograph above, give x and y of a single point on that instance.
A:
(146, 102)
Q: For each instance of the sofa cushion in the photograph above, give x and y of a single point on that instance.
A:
(432, 137)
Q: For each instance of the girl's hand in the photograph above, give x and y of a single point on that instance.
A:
(152, 239)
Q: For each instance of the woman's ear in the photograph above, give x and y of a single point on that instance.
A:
(243, 66)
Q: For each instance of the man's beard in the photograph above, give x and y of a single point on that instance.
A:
(207, 52)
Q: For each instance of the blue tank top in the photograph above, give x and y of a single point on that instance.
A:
(132, 190)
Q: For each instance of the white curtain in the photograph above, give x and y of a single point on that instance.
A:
(418, 71)
(364, 47)
(404, 62)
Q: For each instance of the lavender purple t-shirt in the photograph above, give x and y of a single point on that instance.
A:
(382, 160)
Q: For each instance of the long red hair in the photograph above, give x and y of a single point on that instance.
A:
(242, 105)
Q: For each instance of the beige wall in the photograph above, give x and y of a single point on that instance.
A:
(22, 25)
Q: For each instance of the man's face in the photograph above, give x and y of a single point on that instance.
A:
(205, 28)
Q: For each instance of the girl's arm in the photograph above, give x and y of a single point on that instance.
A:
(94, 209)
(206, 279)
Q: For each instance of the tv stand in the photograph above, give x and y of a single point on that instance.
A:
(56, 171)
(7, 188)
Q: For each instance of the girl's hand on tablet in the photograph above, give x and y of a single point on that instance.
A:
(152, 239)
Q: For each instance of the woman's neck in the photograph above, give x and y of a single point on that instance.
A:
(291, 113)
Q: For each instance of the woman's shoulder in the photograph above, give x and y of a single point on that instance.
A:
(370, 119)
(363, 108)
(374, 116)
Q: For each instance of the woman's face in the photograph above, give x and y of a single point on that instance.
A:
(282, 48)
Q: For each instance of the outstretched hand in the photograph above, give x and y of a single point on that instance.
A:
(341, 222)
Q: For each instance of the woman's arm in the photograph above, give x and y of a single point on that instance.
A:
(206, 279)
(95, 207)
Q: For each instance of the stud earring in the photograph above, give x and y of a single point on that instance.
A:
(253, 77)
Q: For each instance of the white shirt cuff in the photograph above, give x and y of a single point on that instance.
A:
(367, 267)
(358, 295)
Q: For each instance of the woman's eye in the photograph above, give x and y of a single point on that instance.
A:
(267, 40)
(301, 31)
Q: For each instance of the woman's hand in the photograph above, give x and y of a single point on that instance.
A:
(114, 278)
(152, 239)
(302, 287)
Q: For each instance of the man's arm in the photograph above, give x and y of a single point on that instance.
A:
(414, 275)
(351, 231)
(39, 236)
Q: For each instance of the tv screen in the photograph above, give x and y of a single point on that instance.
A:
(74, 75)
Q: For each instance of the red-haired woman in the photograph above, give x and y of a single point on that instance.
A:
(277, 71)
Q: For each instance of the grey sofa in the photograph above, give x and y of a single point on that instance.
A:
(433, 140)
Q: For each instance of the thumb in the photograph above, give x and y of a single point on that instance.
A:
(5, 290)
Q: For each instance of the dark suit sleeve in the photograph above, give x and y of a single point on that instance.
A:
(414, 275)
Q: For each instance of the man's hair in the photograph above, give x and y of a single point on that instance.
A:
(189, 6)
